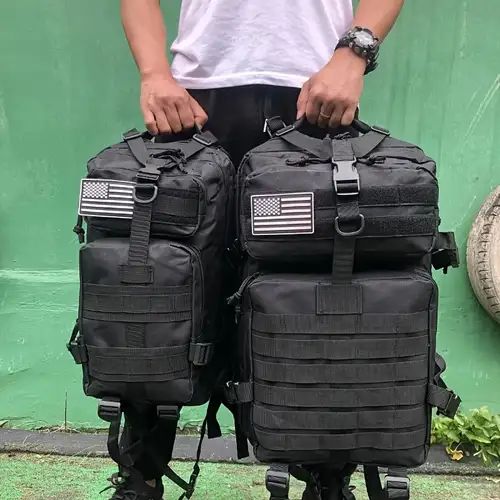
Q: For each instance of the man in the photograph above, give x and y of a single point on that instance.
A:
(236, 63)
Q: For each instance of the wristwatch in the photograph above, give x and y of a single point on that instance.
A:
(364, 43)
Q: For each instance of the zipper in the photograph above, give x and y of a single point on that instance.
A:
(195, 254)
(432, 349)
(239, 175)
(235, 299)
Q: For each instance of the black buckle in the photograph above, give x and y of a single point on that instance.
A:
(278, 483)
(357, 231)
(200, 354)
(109, 409)
(78, 351)
(401, 484)
(131, 135)
(150, 172)
(346, 178)
(145, 187)
(206, 138)
(168, 412)
(451, 406)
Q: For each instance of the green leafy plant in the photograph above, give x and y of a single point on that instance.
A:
(477, 433)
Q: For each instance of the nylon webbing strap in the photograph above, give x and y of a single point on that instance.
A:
(366, 143)
(391, 440)
(273, 125)
(135, 143)
(438, 394)
(445, 252)
(138, 317)
(342, 324)
(326, 420)
(351, 397)
(349, 222)
(342, 373)
(303, 142)
(127, 364)
(396, 483)
(333, 349)
(130, 300)
(361, 146)
(278, 481)
(145, 193)
(238, 392)
(213, 426)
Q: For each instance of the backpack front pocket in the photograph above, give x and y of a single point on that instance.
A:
(139, 337)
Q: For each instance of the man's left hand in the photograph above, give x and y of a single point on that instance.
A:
(330, 97)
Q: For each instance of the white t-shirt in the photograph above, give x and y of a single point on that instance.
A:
(226, 43)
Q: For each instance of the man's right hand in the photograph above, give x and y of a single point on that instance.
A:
(167, 107)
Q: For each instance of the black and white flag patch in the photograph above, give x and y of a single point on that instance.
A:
(106, 198)
(283, 213)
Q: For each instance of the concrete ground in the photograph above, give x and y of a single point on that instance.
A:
(45, 477)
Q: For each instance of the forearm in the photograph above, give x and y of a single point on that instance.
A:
(146, 34)
(377, 15)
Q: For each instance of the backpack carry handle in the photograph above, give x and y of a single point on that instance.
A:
(197, 129)
(371, 137)
(357, 124)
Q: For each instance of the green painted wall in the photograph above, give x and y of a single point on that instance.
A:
(68, 87)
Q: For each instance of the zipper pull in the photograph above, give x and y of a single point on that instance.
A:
(235, 299)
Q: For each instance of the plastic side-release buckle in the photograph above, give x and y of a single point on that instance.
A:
(397, 487)
(171, 413)
(278, 483)
(109, 409)
(451, 407)
(200, 354)
(346, 178)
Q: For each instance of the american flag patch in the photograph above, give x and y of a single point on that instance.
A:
(275, 214)
(106, 198)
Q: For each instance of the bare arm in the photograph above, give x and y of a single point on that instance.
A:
(166, 106)
(336, 89)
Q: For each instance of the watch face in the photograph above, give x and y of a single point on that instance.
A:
(364, 39)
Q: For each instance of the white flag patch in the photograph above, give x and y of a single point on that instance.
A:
(106, 198)
(284, 213)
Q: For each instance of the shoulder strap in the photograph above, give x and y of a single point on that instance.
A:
(396, 483)
(438, 394)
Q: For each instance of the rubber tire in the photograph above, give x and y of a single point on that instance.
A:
(483, 255)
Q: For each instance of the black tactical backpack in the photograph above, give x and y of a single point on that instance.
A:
(157, 223)
(336, 350)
